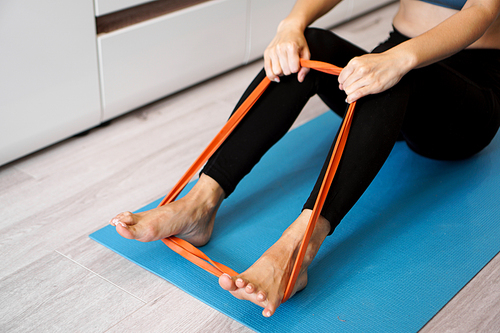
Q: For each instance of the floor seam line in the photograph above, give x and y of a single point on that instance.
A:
(102, 277)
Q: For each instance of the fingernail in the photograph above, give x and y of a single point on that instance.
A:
(277, 80)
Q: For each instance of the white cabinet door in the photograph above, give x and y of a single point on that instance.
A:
(149, 60)
(49, 87)
(265, 16)
(103, 7)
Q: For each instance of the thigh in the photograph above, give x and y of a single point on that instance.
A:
(450, 114)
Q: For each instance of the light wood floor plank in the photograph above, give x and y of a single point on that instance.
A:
(55, 294)
(177, 312)
(9, 178)
(116, 269)
(476, 308)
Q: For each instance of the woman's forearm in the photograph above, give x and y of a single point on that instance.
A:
(305, 12)
(451, 36)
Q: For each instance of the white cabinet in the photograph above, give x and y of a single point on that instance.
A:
(149, 60)
(58, 77)
(49, 86)
(264, 16)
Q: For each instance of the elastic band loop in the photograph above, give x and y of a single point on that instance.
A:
(196, 256)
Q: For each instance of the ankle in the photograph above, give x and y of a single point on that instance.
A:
(298, 228)
(207, 191)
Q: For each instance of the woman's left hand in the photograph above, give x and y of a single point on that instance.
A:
(372, 74)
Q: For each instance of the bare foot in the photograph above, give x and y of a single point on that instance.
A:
(191, 217)
(264, 283)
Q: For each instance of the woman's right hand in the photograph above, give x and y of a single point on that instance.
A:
(282, 56)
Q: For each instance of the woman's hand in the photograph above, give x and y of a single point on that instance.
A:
(372, 74)
(282, 56)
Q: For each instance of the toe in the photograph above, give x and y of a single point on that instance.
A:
(261, 296)
(267, 312)
(240, 283)
(250, 288)
(227, 283)
(124, 231)
(125, 217)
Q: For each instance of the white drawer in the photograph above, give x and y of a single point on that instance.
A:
(152, 59)
(103, 7)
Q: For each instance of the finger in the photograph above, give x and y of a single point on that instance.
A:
(350, 88)
(302, 74)
(304, 54)
(350, 73)
(269, 69)
(276, 66)
(357, 94)
(283, 60)
(353, 81)
(293, 58)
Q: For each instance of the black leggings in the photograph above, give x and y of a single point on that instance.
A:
(448, 110)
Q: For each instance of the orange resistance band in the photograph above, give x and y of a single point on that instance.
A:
(197, 257)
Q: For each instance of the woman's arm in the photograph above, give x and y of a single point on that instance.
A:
(374, 73)
(282, 55)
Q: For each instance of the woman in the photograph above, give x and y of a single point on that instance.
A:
(434, 83)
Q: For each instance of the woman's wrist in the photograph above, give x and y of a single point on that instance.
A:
(408, 59)
(292, 23)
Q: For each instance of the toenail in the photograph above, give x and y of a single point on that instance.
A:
(260, 297)
(239, 281)
(122, 224)
(229, 276)
(268, 314)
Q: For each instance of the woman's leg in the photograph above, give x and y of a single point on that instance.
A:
(460, 113)
(265, 281)
(451, 111)
(274, 113)
(376, 126)
(270, 118)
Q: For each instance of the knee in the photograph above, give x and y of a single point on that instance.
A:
(326, 46)
(315, 34)
(319, 40)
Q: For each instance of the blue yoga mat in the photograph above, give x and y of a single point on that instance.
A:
(420, 232)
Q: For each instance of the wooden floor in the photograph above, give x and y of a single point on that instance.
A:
(53, 278)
